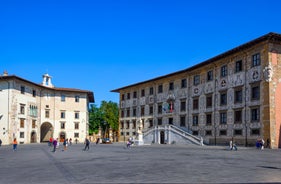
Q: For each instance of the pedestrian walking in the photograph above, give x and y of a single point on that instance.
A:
(51, 141)
(0, 142)
(262, 144)
(65, 142)
(128, 144)
(267, 143)
(98, 140)
(70, 142)
(87, 144)
(15, 144)
(55, 142)
(76, 140)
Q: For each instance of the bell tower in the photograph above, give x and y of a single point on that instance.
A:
(47, 81)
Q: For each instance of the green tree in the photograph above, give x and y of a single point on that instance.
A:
(95, 119)
(104, 117)
(110, 117)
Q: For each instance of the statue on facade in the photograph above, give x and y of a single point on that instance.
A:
(140, 136)
(140, 127)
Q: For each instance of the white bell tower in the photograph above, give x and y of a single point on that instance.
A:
(47, 81)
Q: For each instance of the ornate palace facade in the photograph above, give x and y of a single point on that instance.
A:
(235, 95)
(34, 112)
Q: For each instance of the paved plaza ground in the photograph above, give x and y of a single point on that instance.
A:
(112, 163)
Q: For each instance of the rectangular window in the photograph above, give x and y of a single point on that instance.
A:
(76, 135)
(128, 112)
(135, 94)
(223, 118)
(76, 125)
(209, 119)
(208, 132)
(122, 113)
(159, 121)
(21, 134)
(33, 110)
(21, 123)
(76, 98)
(238, 132)
(171, 86)
(142, 110)
(209, 101)
(134, 112)
(223, 132)
(195, 120)
(47, 113)
(159, 108)
(134, 124)
(223, 98)
(255, 131)
(127, 124)
(150, 110)
(196, 80)
(224, 71)
(151, 91)
(33, 123)
(238, 66)
(195, 104)
(62, 125)
(123, 97)
(182, 121)
(183, 83)
(128, 96)
(22, 109)
(160, 88)
(255, 114)
(238, 96)
(34, 93)
(62, 114)
(183, 106)
(142, 92)
(76, 115)
(171, 121)
(22, 89)
(255, 93)
(150, 123)
(210, 75)
(256, 61)
(238, 116)
(62, 98)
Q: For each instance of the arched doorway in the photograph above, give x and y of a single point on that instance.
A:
(162, 137)
(46, 132)
(62, 136)
(33, 137)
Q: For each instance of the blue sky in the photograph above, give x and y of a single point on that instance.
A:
(107, 44)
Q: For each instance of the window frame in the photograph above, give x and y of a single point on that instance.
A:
(256, 60)
(224, 71)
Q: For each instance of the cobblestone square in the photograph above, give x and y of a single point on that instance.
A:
(112, 163)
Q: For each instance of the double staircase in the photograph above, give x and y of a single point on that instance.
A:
(170, 134)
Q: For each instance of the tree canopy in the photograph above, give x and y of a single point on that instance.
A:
(105, 117)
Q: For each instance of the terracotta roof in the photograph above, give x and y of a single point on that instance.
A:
(271, 37)
(89, 93)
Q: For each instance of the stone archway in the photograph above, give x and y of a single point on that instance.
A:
(33, 137)
(46, 132)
